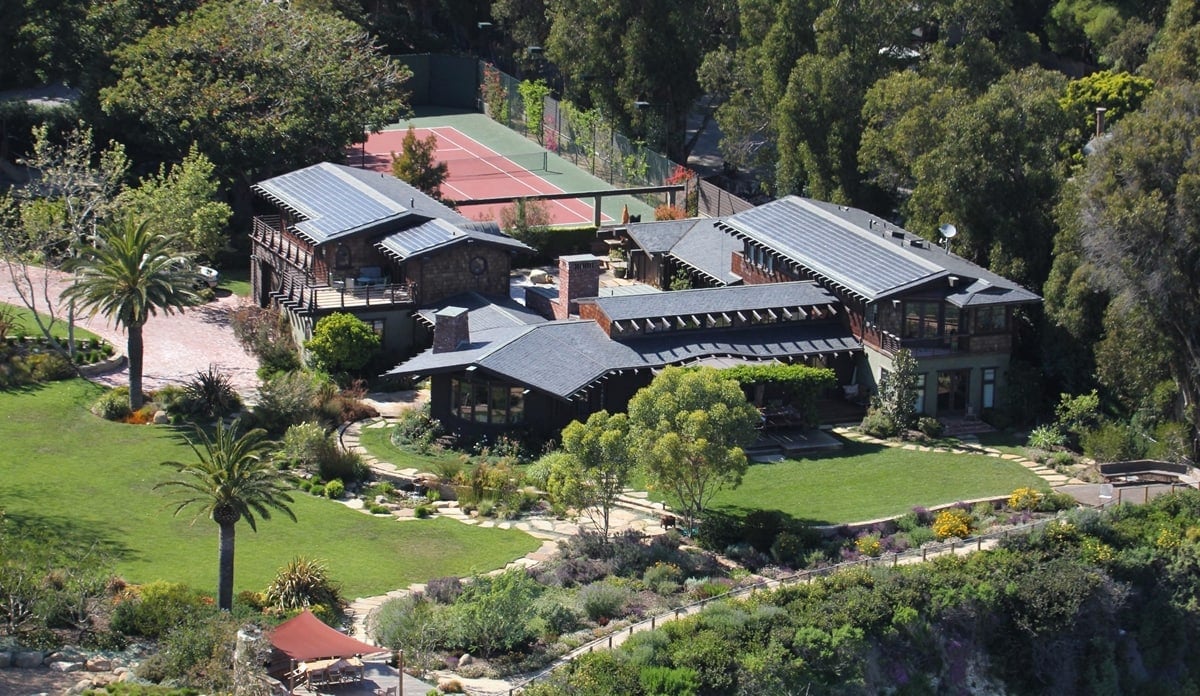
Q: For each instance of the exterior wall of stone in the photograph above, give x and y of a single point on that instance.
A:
(448, 273)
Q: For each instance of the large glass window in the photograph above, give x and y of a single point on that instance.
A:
(919, 386)
(991, 320)
(487, 401)
(921, 319)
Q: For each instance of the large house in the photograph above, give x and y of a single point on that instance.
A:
(898, 290)
(794, 280)
(333, 238)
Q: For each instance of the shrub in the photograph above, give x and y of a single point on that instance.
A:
(879, 424)
(669, 212)
(198, 653)
(706, 588)
(286, 400)
(444, 590)
(931, 427)
(210, 394)
(411, 622)
(303, 582)
(790, 548)
(667, 681)
(49, 367)
(264, 333)
(113, 405)
(156, 608)
(493, 614)
(908, 522)
(869, 545)
(317, 489)
(663, 578)
(1046, 438)
(1113, 442)
(422, 512)
(335, 489)
(377, 509)
(1060, 461)
(1055, 501)
(342, 343)
(920, 536)
(417, 430)
(602, 600)
(1025, 499)
(952, 522)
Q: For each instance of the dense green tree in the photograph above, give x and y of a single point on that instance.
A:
(183, 201)
(996, 175)
(614, 55)
(130, 275)
(1118, 93)
(342, 342)
(417, 165)
(232, 479)
(689, 428)
(1141, 223)
(259, 87)
(1175, 52)
(598, 461)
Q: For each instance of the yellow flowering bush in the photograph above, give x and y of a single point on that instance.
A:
(1096, 551)
(952, 522)
(869, 545)
(1025, 499)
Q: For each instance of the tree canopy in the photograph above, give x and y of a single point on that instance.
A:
(416, 164)
(261, 88)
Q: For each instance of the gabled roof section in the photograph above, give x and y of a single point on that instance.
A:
(436, 234)
(708, 250)
(484, 314)
(333, 200)
(832, 248)
(658, 237)
(564, 357)
(741, 298)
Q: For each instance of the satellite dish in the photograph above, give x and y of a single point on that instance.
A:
(947, 231)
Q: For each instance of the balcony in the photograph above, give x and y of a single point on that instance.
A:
(267, 231)
(925, 347)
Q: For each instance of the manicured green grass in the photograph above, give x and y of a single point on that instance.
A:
(1007, 442)
(235, 279)
(92, 482)
(864, 482)
(30, 328)
(378, 442)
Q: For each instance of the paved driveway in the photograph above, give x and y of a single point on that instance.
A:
(176, 346)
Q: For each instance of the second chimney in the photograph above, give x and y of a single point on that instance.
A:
(578, 276)
(451, 329)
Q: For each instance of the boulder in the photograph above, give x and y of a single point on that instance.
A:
(161, 418)
(80, 686)
(27, 660)
(99, 664)
(465, 660)
(64, 666)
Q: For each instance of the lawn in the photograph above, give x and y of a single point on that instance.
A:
(1007, 442)
(236, 280)
(30, 327)
(91, 481)
(864, 482)
(378, 442)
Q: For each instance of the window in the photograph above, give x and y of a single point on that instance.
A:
(921, 319)
(376, 326)
(991, 320)
(487, 401)
(341, 256)
(989, 387)
(919, 386)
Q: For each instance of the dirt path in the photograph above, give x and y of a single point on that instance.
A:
(177, 346)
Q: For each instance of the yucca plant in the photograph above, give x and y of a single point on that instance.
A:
(211, 394)
(304, 582)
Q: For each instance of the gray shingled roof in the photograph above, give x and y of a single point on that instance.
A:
(484, 313)
(334, 200)
(715, 300)
(977, 286)
(658, 237)
(832, 247)
(432, 235)
(709, 250)
(562, 357)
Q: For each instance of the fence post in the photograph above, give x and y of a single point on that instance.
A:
(1119, 496)
(924, 551)
(978, 543)
(895, 559)
(610, 641)
(651, 623)
(1145, 494)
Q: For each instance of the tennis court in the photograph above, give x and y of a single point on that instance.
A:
(486, 160)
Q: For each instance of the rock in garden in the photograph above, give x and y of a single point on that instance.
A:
(27, 660)
(161, 418)
(64, 666)
(99, 664)
(80, 686)
(465, 660)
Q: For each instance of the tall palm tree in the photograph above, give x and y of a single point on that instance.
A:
(129, 276)
(233, 479)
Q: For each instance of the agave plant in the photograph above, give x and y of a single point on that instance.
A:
(304, 582)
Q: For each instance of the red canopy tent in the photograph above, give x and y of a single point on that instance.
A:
(305, 637)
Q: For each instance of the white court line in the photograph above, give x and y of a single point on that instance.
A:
(561, 204)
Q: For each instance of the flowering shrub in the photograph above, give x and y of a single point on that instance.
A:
(953, 522)
(1096, 551)
(1024, 499)
(869, 545)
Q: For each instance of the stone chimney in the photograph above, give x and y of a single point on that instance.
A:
(450, 330)
(578, 276)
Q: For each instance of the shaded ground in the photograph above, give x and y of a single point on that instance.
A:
(26, 682)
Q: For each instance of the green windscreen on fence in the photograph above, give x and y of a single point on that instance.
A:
(442, 80)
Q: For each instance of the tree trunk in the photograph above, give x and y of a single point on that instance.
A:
(135, 348)
(225, 568)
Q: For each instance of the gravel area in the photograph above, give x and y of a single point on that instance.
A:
(177, 346)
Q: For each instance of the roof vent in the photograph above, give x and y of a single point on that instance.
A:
(897, 234)
(953, 281)
(918, 243)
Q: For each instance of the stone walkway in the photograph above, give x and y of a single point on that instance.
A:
(1047, 474)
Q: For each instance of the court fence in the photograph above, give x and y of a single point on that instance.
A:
(584, 138)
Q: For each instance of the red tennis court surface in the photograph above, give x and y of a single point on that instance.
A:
(477, 171)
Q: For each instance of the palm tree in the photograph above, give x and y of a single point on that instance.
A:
(234, 479)
(129, 276)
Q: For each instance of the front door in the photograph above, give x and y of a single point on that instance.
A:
(952, 391)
